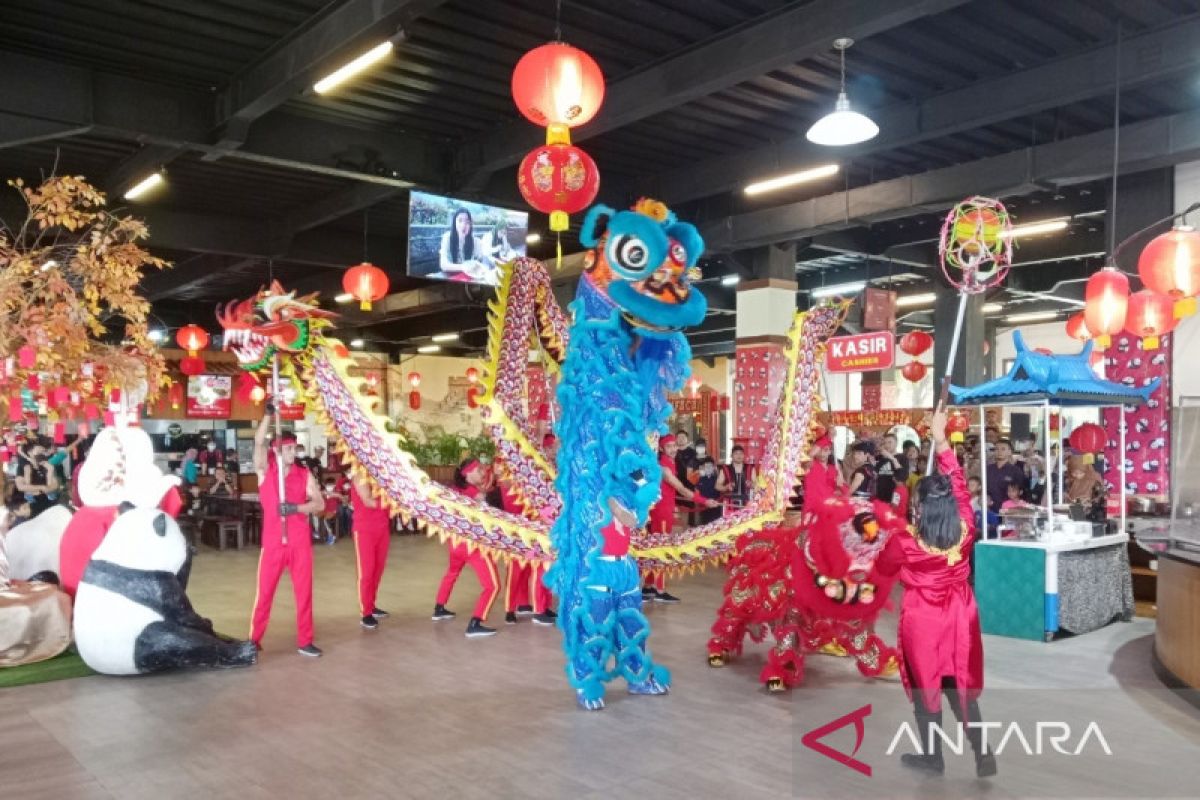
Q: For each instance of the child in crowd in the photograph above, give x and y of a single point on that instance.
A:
(1013, 499)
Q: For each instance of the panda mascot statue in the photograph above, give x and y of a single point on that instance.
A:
(132, 616)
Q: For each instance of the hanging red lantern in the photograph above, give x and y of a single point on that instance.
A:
(191, 365)
(1089, 439)
(1077, 327)
(1170, 264)
(472, 375)
(915, 343)
(558, 179)
(957, 426)
(471, 401)
(175, 395)
(1107, 299)
(914, 371)
(414, 379)
(366, 283)
(557, 84)
(192, 338)
(414, 400)
(1151, 314)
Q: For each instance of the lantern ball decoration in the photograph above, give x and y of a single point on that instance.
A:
(1150, 315)
(175, 395)
(192, 365)
(414, 400)
(414, 379)
(957, 425)
(1077, 327)
(1088, 439)
(914, 371)
(192, 338)
(557, 84)
(915, 343)
(472, 375)
(1170, 265)
(559, 180)
(1107, 297)
(366, 283)
(472, 400)
(976, 244)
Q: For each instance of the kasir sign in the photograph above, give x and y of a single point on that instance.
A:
(863, 352)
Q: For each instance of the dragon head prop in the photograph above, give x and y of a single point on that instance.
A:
(645, 259)
(270, 322)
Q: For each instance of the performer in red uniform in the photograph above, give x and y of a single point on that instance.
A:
(525, 593)
(372, 536)
(662, 516)
(283, 548)
(470, 478)
(939, 638)
(822, 481)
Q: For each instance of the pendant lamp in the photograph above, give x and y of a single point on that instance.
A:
(842, 127)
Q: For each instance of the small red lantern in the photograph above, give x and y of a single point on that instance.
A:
(414, 378)
(175, 395)
(557, 84)
(472, 375)
(1089, 439)
(471, 401)
(1170, 264)
(914, 371)
(1151, 315)
(366, 283)
(372, 380)
(1107, 299)
(192, 365)
(915, 343)
(1077, 328)
(414, 400)
(558, 179)
(957, 425)
(192, 338)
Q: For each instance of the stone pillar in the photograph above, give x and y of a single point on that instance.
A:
(766, 304)
(968, 362)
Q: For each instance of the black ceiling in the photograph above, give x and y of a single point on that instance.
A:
(266, 178)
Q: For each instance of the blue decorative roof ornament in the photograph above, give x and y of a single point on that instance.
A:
(1062, 380)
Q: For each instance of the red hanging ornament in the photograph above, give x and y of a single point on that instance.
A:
(192, 338)
(1089, 439)
(191, 365)
(558, 179)
(914, 371)
(557, 84)
(472, 375)
(414, 400)
(471, 401)
(414, 378)
(957, 425)
(1077, 327)
(1151, 314)
(1107, 299)
(175, 395)
(1170, 264)
(914, 343)
(366, 283)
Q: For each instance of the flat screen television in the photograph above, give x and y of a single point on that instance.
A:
(457, 240)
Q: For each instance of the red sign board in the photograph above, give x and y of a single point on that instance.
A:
(209, 396)
(863, 352)
(291, 411)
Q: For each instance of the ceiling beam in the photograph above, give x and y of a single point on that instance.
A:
(335, 206)
(17, 130)
(1144, 145)
(1151, 56)
(797, 32)
(151, 158)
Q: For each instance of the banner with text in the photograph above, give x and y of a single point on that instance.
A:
(863, 352)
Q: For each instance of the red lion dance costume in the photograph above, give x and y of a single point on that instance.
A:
(812, 589)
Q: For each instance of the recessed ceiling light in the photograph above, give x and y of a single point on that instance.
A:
(356, 343)
(445, 337)
(429, 348)
(344, 297)
(349, 70)
(143, 186)
(910, 300)
(791, 179)
(838, 290)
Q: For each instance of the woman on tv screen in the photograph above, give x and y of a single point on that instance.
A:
(462, 256)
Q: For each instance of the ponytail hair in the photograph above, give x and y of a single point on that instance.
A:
(938, 524)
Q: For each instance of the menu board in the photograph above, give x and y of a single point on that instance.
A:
(209, 396)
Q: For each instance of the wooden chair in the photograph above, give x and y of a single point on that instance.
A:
(225, 515)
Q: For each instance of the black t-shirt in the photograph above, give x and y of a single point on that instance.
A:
(868, 486)
(683, 459)
(888, 476)
(706, 484)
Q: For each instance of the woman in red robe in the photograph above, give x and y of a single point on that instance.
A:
(939, 638)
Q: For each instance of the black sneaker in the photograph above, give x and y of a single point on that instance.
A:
(369, 622)
(545, 618)
(477, 628)
(510, 618)
(649, 593)
(665, 597)
(310, 650)
(440, 613)
(379, 613)
(524, 611)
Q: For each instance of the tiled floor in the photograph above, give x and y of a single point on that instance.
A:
(415, 709)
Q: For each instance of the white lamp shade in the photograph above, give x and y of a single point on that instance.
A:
(842, 127)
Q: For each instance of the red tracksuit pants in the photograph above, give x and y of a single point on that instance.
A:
(370, 552)
(485, 570)
(296, 557)
(525, 588)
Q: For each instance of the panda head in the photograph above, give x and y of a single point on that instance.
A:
(144, 539)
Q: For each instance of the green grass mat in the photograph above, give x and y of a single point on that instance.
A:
(63, 666)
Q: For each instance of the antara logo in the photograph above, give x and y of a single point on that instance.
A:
(812, 739)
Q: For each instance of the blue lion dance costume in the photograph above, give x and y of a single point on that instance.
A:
(626, 353)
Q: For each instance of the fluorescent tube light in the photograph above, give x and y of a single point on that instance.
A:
(533, 238)
(730, 280)
(356, 342)
(910, 300)
(429, 348)
(147, 183)
(838, 290)
(1032, 316)
(1034, 228)
(992, 308)
(445, 337)
(344, 297)
(783, 181)
(348, 71)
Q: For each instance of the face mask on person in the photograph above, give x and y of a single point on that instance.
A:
(299, 454)
(211, 446)
(700, 452)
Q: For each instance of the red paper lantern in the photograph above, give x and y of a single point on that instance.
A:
(1151, 314)
(414, 378)
(915, 343)
(914, 371)
(471, 401)
(191, 365)
(558, 179)
(175, 395)
(192, 338)
(1077, 328)
(1170, 264)
(1107, 299)
(366, 283)
(957, 425)
(472, 375)
(414, 400)
(557, 84)
(1089, 439)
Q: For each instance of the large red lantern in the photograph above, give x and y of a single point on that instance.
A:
(558, 179)
(175, 395)
(1089, 439)
(472, 400)
(1170, 264)
(1107, 299)
(366, 283)
(914, 371)
(915, 343)
(1151, 314)
(192, 338)
(1077, 327)
(957, 425)
(414, 400)
(557, 84)
(192, 365)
